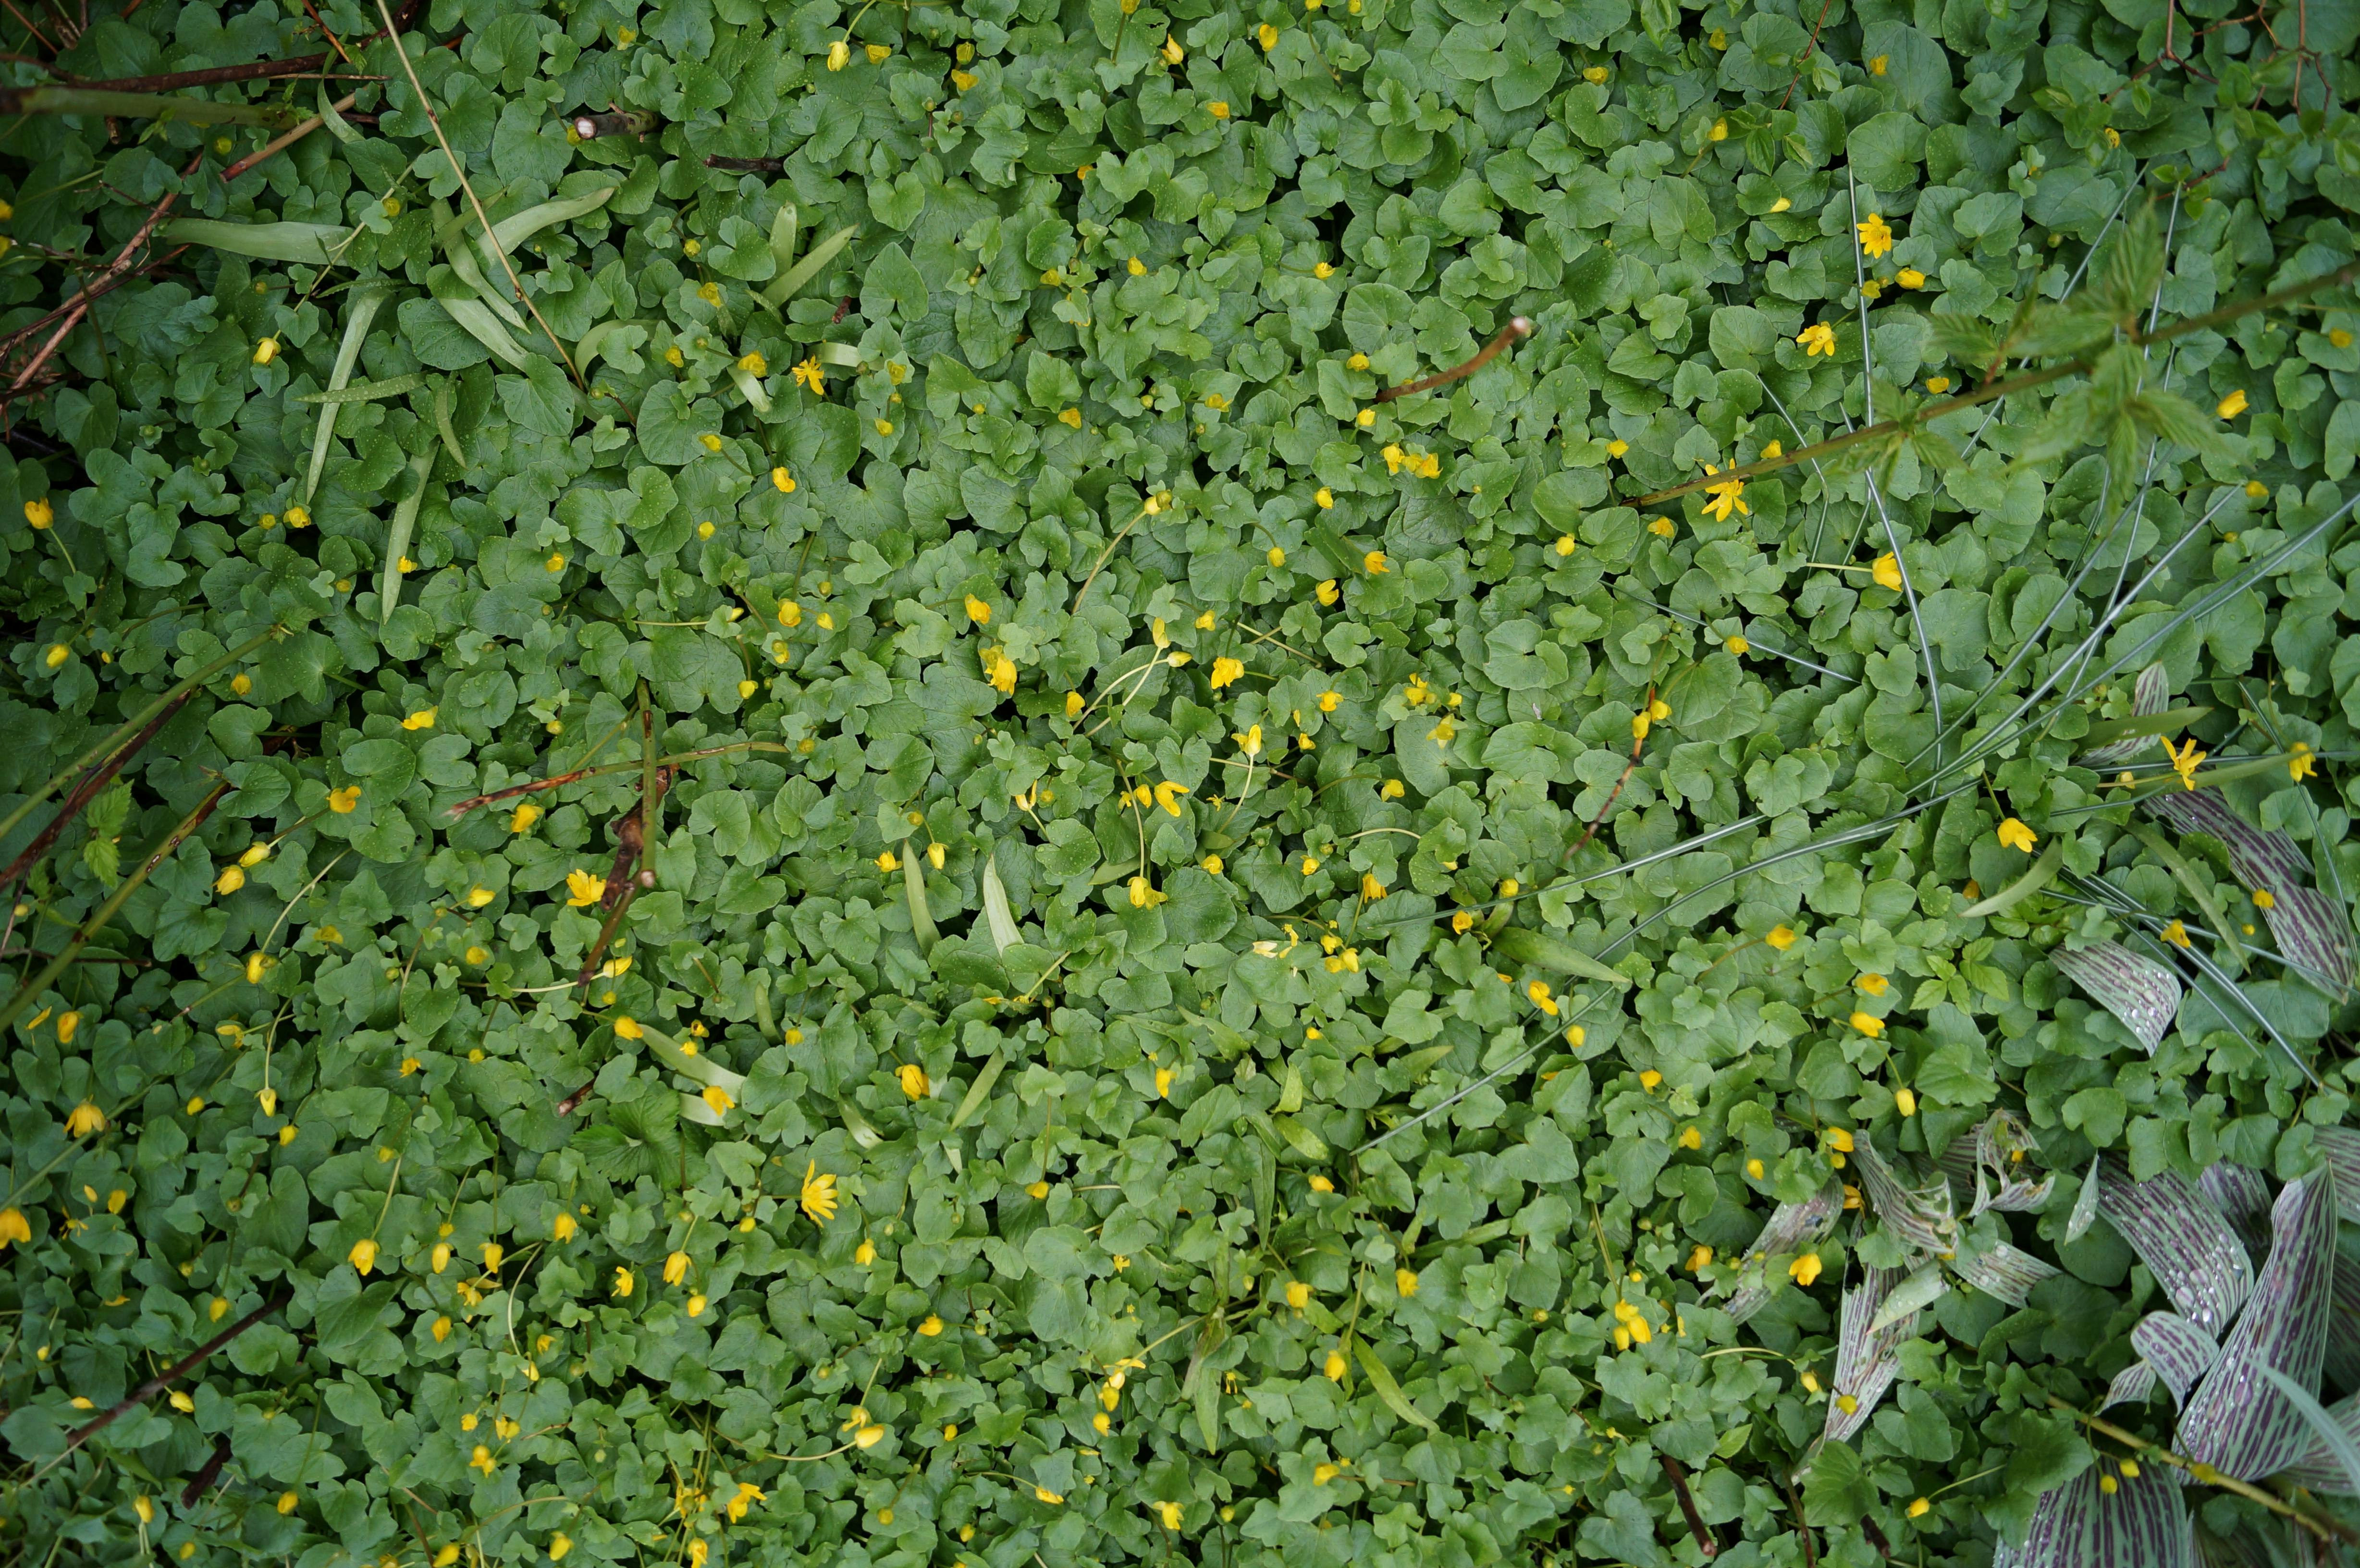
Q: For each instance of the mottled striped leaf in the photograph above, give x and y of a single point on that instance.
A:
(2140, 992)
(1921, 1289)
(1867, 1358)
(2310, 930)
(2241, 1548)
(2148, 697)
(2085, 1202)
(2341, 1149)
(2344, 1320)
(2183, 1238)
(2007, 1273)
(1922, 1216)
(2243, 1199)
(2141, 1522)
(2332, 1462)
(2236, 1423)
(2179, 1352)
(1987, 1170)
(1790, 1227)
(2133, 1385)
(2261, 858)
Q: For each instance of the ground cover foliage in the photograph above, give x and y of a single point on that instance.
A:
(1185, 961)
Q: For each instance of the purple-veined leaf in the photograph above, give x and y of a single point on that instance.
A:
(2102, 1518)
(1867, 1358)
(2140, 992)
(2179, 1352)
(2003, 1272)
(2332, 1462)
(2183, 1238)
(2261, 858)
(2148, 698)
(1790, 1226)
(1987, 1170)
(2243, 1199)
(2133, 1385)
(2085, 1202)
(2310, 931)
(1921, 1289)
(2241, 1548)
(2236, 1422)
(1920, 1216)
(2341, 1149)
(2343, 1317)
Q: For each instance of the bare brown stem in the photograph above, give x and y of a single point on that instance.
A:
(161, 1381)
(85, 792)
(1517, 330)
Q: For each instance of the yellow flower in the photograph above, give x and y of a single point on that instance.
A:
(493, 1253)
(675, 1267)
(1327, 592)
(84, 1118)
(1212, 864)
(363, 1257)
(559, 1545)
(342, 801)
(2184, 760)
(1875, 234)
(40, 513)
(1872, 984)
(914, 1079)
(1906, 1102)
(931, 1327)
(1919, 1506)
(1334, 1367)
(1886, 571)
(2264, 899)
(2176, 933)
(1405, 1283)
(1818, 338)
(232, 878)
(754, 365)
(1868, 1024)
(1538, 990)
(1172, 51)
(1938, 385)
(1226, 670)
(2015, 835)
(2232, 405)
(1144, 893)
(423, 719)
(1649, 1079)
(1217, 109)
(1640, 724)
(1310, 864)
(808, 373)
(1727, 496)
(1910, 278)
(1720, 132)
(1375, 564)
(14, 1227)
(1805, 1270)
(1250, 741)
(839, 55)
(482, 1459)
(818, 1197)
(565, 1226)
(624, 1282)
(2302, 764)
(1370, 889)
(1691, 1138)
(583, 890)
(523, 817)
(716, 1100)
(1163, 1076)
(1781, 937)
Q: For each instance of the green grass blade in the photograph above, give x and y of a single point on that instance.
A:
(366, 302)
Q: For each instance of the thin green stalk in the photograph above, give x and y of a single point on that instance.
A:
(113, 907)
(124, 731)
(1992, 389)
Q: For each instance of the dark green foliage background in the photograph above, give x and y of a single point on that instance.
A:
(1671, 226)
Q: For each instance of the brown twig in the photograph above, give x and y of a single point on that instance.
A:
(476, 802)
(252, 71)
(1705, 1542)
(80, 306)
(1804, 58)
(1636, 743)
(206, 1475)
(1802, 1528)
(1518, 329)
(1992, 389)
(79, 958)
(85, 792)
(747, 165)
(572, 1103)
(280, 143)
(614, 922)
(161, 1381)
(1877, 1538)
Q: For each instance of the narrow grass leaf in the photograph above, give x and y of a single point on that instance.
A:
(1381, 1380)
